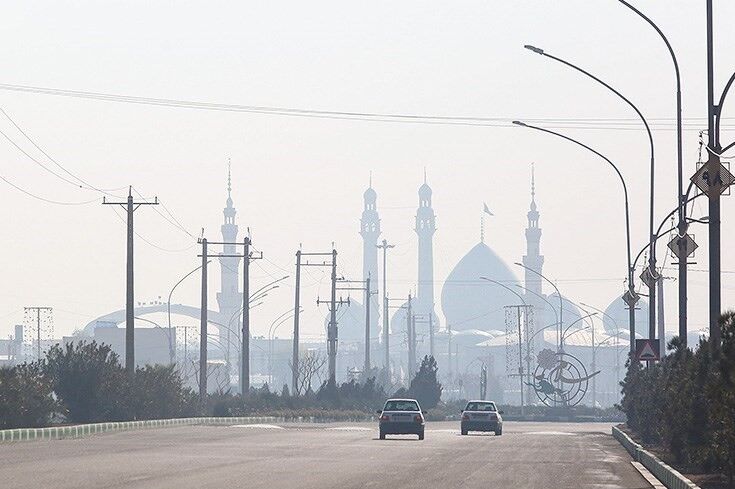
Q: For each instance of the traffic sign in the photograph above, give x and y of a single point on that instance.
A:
(687, 246)
(649, 278)
(647, 350)
(713, 182)
(631, 298)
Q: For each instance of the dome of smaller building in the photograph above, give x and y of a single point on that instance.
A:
(351, 323)
(616, 316)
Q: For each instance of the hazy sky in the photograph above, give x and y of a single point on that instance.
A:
(300, 180)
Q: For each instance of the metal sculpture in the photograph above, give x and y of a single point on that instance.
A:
(560, 379)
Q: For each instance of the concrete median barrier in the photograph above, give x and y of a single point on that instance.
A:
(668, 476)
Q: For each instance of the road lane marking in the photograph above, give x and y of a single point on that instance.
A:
(350, 428)
(555, 433)
(262, 426)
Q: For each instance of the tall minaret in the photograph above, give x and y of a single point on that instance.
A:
(229, 297)
(425, 229)
(370, 230)
(533, 258)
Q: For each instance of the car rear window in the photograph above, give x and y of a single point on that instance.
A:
(401, 406)
(480, 406)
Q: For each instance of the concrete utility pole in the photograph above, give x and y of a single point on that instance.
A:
(203, 327)
(297, 309)
(130, 207)
(245, 333)
(411, 330)
(449, 351)
(386, 322)
(365, 288)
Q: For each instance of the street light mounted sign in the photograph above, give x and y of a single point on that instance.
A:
(683, 246)
(649, 278)
(647, 350)
(713, 182)
(631, 298)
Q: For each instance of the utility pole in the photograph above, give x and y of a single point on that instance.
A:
(130, 207)
(365, 288)
(297, 308)
(411, 330)
(203, 327)
(34, 314)
(387, 307)
(245, 346)
(449, 350)
(248, 256)
(386, 324)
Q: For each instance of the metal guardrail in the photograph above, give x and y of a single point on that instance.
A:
(668, 476)
(77, 431)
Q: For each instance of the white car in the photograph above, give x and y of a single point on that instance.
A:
(481, 416)
(402, 417)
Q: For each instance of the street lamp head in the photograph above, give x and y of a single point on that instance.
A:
(519, 123)
(534, 49)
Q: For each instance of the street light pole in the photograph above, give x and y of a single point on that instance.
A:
(682, 224)
(633, 297)
(561, 304)
(171, 353)
(652, 237)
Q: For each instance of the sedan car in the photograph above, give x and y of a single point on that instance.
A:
(402, 417)
(481, 416)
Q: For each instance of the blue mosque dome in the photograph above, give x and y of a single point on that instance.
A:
(469, 302)
(616, 317)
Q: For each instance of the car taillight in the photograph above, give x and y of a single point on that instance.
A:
(418, 419)
(384, 417)
(466, 416)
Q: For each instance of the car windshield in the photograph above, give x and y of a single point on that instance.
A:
(480, 406)
(401, 406)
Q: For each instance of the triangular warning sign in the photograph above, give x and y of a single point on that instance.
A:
(647, 353)
(647, 350)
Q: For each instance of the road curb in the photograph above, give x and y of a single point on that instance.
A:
(81, 430)
(668, 476)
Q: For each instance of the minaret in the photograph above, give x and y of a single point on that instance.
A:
(533, 258)
(229, 297)
(425, 229)
(370, 230)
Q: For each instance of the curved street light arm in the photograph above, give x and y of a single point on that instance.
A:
(565, 335)
(172, 355)
(553, 308)
(620, 176)
(719, 111)
(561, 304)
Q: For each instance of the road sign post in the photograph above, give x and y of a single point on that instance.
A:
(647, 350)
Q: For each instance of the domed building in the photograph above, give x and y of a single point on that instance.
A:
(468, 302)
(616, 317)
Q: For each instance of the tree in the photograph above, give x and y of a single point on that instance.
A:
(89, 381)
(424, 386)
(311, 366)
(158, 392)
(26, 397)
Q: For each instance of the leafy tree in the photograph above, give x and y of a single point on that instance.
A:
(424, 386)
(158, 392)
(26, 397)
(89, 381)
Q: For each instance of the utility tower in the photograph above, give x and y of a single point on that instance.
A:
(130, 207)
(386, 319)
(38, 323)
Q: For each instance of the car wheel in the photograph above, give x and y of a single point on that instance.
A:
(499, 432)
(464, 432)
(382, 435)
(421, 435)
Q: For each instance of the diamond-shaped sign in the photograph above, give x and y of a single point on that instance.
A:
(683, 246)
(649, 278)
(631, 298)
(713, 182)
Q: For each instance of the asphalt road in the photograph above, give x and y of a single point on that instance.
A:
(527, 455)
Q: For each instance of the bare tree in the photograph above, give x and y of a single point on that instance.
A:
(311, 368)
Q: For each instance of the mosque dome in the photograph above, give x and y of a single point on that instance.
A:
(351, 323)
(471, 303)
(616, 317)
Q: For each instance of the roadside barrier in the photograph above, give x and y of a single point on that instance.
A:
(77, 431)
(668, 476)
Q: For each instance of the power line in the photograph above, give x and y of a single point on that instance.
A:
(572, 123)
(44, 199)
